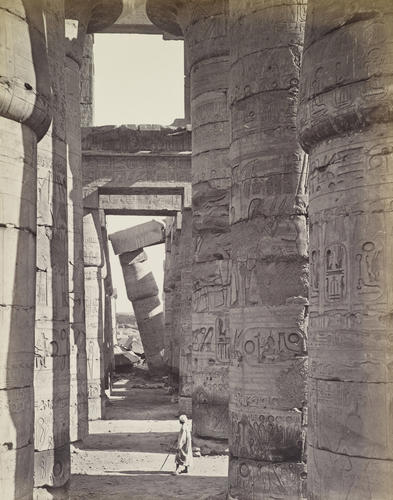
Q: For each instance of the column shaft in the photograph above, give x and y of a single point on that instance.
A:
(208, 57)
(24, 118)
(185, 363)
(345, 123)
(94, 272)
(269, 252)
(52, 370)
(142, 291)
(87, 83)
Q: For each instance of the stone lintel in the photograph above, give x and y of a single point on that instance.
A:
(121, 204)
(136, 138)
(141, 236)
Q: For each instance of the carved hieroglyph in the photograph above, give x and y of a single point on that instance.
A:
(24, 119)
(269, 253)
(204, 27)
(345, 124)
(51, 367)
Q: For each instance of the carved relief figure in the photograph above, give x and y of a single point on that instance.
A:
(335, 272)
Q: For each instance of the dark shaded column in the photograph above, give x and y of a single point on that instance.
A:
(345, 124)
(268, 315)
(204, 27)
(94, 262)
(168, 298)
(81, 17)
(185, 337)
(87, 83)
(24, 119)
(52, 371)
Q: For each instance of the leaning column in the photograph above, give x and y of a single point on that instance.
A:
(141, 287)
(24, 119)
(81, 17)
(204, 27)
(345, 124)
(269, 252)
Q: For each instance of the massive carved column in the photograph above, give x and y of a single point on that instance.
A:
(90, 15)
(24, 119)
(185, 334)
(204, 26)
(51, 370)
(141, 287)
(269, 252)
(94, 261)
(345, 124)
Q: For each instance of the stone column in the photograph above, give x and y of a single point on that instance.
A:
(345, 124)
(109, 360)
(90, 15)
(87, 83)
(24, 119)
(141, 287)
(185, 340)
(94, 313)
(204, 27)
(268, 316)
(168, 297)
(142, 291)
(51, 370)
(175, 272)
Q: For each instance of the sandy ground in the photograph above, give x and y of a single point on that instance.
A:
(122, 457)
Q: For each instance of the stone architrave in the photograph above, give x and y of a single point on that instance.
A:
(24, 120)
(142, 289)
(345, 124)
(81, 18)
(185, 333)
(204, 27)
(51, 369)
(269, 252)
(94, 262)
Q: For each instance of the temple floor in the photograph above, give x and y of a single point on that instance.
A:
(122, 457)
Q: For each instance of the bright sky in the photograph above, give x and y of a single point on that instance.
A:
(138, 79)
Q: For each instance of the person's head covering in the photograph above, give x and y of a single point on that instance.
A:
(183, 419)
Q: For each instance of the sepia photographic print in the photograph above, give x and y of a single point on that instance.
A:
(196, 249)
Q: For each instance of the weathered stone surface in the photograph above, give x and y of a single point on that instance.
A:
(24, 118)
(87, 83)
(94, 274)
(344, 125)
(185, 362)
(118, 204)
(52, 348)
(142, 289)
(134, 238)
(250, 479)
(204, 27)
(81, 18)
(135, 160)
(269, 274)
